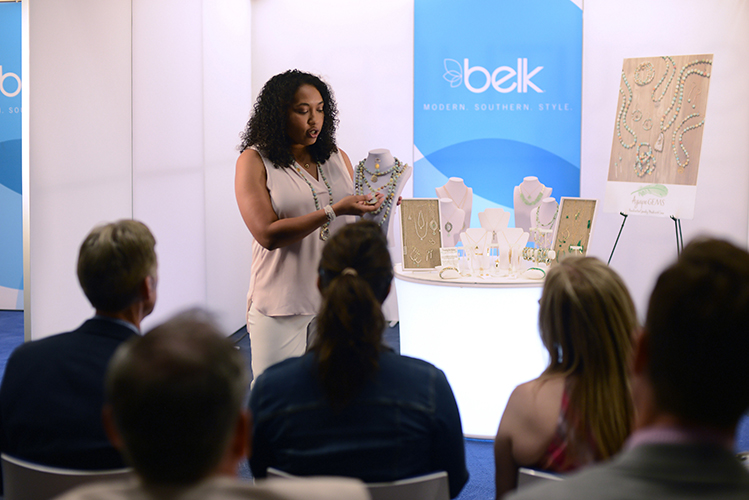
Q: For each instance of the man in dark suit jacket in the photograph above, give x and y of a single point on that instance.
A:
(689, 388)
(52, 393)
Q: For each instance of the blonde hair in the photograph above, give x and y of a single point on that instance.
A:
(587, 321)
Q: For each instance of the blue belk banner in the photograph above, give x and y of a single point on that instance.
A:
(11, 211)
(497, 92)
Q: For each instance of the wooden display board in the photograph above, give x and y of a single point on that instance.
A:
(575, 225)
(422, 238)
(660, 119)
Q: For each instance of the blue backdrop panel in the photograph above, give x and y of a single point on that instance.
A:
(11, 215)
(497, 90)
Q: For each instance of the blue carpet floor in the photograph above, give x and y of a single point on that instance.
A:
(479, 453)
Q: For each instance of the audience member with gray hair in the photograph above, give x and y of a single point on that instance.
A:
(689, 389)
(176, 409)
(53, 390)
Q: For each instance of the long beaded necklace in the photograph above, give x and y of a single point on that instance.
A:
(622, 117)
(668, 84)
(681, 140)
(325, 229)
(528, 201)
(538, 219)
(360, 181)
(377, 173)
(679, 96)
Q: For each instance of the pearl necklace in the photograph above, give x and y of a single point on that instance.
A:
(360, 181)
(325, 229)
(681, 140)
(668, 84)
(527, 201)
(622, 116)
(678, 97)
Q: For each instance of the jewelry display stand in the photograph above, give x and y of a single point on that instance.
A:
(452, 218)
(420, 227)
(476, 243)
(527, 196)
(575, 226)
(543, 221)
(511, 241)
(494, 219)
(382, 173)
(493, 320)
(462, 195)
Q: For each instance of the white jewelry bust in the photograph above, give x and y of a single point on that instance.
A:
(511, 241)
(527, 196)
(378, 173)
(452, 218)
(543, 220)
(462, 195)
(494, 219)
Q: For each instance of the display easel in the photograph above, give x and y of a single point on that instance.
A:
(677, 226)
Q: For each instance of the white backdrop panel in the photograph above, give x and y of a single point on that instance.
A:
(79, 149)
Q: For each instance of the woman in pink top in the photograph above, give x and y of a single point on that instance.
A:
(292, 184)
(580, 409)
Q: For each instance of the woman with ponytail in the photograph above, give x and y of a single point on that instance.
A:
(351, 406)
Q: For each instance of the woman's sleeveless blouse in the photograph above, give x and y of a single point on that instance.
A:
(283, 282)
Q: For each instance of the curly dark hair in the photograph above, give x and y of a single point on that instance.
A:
(266, 130)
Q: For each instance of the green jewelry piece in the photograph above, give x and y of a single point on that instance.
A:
(529, 202)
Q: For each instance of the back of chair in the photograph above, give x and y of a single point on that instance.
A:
(428, 487)
(532, 476)
(432, 486)
(24, 480)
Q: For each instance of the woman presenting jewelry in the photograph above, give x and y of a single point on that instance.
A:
(292, 184)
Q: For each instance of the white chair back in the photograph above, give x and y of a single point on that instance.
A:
(24, 480)
(532, 476)
(432, 486)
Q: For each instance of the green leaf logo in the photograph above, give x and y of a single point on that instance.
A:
(658, 190)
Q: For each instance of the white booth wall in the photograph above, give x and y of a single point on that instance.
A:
(144, 121)
(133, 109)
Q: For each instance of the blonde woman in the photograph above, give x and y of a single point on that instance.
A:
(580, 409)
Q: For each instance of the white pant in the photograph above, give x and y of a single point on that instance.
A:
(275, 338)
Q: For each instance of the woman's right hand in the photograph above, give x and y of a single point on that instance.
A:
(358, 204)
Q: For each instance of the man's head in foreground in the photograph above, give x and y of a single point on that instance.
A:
(175, 402)
(694, 350)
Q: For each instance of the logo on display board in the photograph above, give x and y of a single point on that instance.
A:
(5, 76)
(457, 74)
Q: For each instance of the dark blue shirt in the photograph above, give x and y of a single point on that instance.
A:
(404, 423)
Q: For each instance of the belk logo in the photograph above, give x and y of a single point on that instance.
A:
(3, 76)
(455, 73)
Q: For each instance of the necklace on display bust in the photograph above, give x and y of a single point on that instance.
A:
(538, 219)
(528, 200)
(379, 173)
(388, 189)
(325, 229)
(465, 195)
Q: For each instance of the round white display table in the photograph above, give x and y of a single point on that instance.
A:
(483, 333)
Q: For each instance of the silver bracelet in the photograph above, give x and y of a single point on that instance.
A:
(329, 213)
